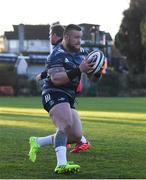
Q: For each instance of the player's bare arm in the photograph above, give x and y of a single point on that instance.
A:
(58, 76)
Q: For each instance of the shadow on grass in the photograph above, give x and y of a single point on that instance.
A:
(17, 117)
(109, 122)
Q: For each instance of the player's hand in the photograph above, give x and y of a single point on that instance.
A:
(38, 77)
(85, 66)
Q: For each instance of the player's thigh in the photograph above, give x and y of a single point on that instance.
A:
(61, 115)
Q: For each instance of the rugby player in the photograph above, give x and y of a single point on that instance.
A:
(56, 37)
(65, 65)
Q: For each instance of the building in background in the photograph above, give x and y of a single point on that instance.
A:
(34, 39)
(27, 39)
(1, 44)
(93, 38)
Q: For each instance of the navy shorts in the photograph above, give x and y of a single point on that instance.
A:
(50, 99)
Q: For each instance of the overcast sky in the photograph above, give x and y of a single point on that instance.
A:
(106, 13)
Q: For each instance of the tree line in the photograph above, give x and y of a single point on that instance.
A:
(131, 38)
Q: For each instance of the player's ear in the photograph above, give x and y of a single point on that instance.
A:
(54, 34)
(66, 37)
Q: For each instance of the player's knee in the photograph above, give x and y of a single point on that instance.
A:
(65, 127)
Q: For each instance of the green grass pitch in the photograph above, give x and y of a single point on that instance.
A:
(116, 128)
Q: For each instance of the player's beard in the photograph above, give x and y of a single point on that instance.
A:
(72, 48)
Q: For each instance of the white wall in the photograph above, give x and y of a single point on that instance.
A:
(36, 45)
(12, 46)
(34, 69)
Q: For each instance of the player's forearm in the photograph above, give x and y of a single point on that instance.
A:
(61, 78)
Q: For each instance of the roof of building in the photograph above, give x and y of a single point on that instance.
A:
(87, 24)
(30, 32)
(41, 32)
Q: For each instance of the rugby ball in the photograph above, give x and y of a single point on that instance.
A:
(98, 58)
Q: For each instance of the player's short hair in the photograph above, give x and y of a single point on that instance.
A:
(71, 27)
(58, 30)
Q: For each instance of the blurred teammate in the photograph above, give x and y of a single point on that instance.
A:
(56, 36)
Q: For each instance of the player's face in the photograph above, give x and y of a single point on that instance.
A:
(53, 38)
(74, 41)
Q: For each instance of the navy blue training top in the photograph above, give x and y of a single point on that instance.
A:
(60, 57)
